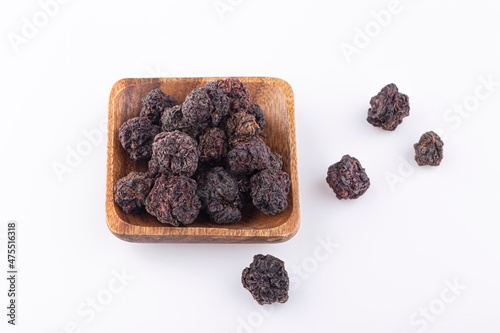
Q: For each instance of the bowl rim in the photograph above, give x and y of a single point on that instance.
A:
(187, 234)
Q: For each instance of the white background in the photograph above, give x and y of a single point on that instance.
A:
(397, 248)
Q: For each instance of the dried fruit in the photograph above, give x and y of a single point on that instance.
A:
(156, 130)
(429, 150)
(347, 178)
(275, 161)
(136, 136)
(220, 195)
(241, 127)
(215, 137)
(196, 108)
(155, 102)
(388, 108)
(174, 153)
(173, 200)
(244, 188)
(132, 190)
(256, 111)
(248, 157)
(266, 279)
(269, 191)
(239, 96)
(153, 168)
(219, 106)
(172, 119)
(213, 146)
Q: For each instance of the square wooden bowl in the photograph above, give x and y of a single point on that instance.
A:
(275, 97)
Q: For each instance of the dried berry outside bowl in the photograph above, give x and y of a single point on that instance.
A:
(275, 98)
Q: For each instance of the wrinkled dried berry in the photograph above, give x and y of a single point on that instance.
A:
(276, 162)
(213, 146)
(269, 191)
(347, 178)
(244, 187)
(266, 279)
(248, 157)
(241, 127)
(256, 111)
(219, 106)
(196, 108)
(220, 195)
(136, 136)
(173, 200)
(172, 119)
(156, 130)
(388, 108)
(239, 96)
(132, 190)
(174, 153)
(429, 150)
(153, 168)
(155, 102)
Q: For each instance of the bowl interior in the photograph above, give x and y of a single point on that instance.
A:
(127, 104)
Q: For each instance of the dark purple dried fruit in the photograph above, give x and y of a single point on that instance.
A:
(238, 94)
(347, 178)
(155, 102)
(136, 136)
(244, 187)
(248, 157)
(220, 195)
(429, 150)
(153, 169)
(266, 279)
(172, 120)
(174, 153)
(196, 108)
(241, 127)
(276, 162)
(156, 130)
(256, 111)
(173, 200)
(132, 190)
(269, 191)
(388, 108)
(219, 107)
(213, 146)
(229, 152)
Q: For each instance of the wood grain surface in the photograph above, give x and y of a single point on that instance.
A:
(275, 97)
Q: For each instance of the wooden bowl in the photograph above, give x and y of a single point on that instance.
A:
(275, 97)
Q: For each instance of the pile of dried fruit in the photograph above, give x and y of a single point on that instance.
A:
(204, 154)
(208, 154)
